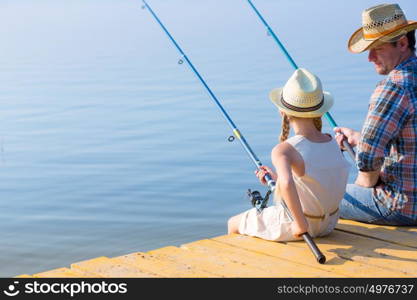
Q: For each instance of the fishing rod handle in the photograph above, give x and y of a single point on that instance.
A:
(270, 182)
(349, 149)
(321, 259)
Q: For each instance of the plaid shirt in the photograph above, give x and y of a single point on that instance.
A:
(389, 139)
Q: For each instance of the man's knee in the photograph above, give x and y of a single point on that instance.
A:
(358, 204)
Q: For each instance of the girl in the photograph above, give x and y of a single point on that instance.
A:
(311, 172)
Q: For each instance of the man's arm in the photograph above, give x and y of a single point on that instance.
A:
(388, 111)
(367, 179)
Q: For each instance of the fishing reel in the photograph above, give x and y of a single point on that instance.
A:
(257, 200)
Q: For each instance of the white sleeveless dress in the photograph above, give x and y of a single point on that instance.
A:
(320, 191)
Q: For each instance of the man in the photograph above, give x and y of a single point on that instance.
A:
(385, 191)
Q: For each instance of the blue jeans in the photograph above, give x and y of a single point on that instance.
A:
(359, 204)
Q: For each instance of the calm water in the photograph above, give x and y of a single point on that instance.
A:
(108, 146)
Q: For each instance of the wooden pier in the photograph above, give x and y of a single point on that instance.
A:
(352, 250)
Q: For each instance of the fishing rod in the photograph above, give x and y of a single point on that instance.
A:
(270, 182)
(329, 118)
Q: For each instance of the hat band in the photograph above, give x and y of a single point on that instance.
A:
(379, 34)
(302, 109)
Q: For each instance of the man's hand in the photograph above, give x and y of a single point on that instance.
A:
(367, 179)
(343, 133)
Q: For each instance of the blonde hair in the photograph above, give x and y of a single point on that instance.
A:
(285, 127)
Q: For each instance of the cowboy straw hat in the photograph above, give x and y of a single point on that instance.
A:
(380, 24)
(302, 96)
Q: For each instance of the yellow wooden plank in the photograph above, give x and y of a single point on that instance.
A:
(162, 266)
(286, 251)
(238, 262)
(188, 258)
(370, 251)
(62, 273)
(110, 267)
(407, 229)
(23, 276)
(232, 263)
(406, 236)
(119, 268)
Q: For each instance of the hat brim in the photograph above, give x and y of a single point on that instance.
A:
(275, 97)
(357, 43)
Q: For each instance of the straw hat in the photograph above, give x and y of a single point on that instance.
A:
(302, 96)
(381, 24)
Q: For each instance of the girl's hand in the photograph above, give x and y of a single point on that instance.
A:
(262, 171)
(299, 229)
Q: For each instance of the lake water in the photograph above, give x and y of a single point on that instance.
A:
(108, 146)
